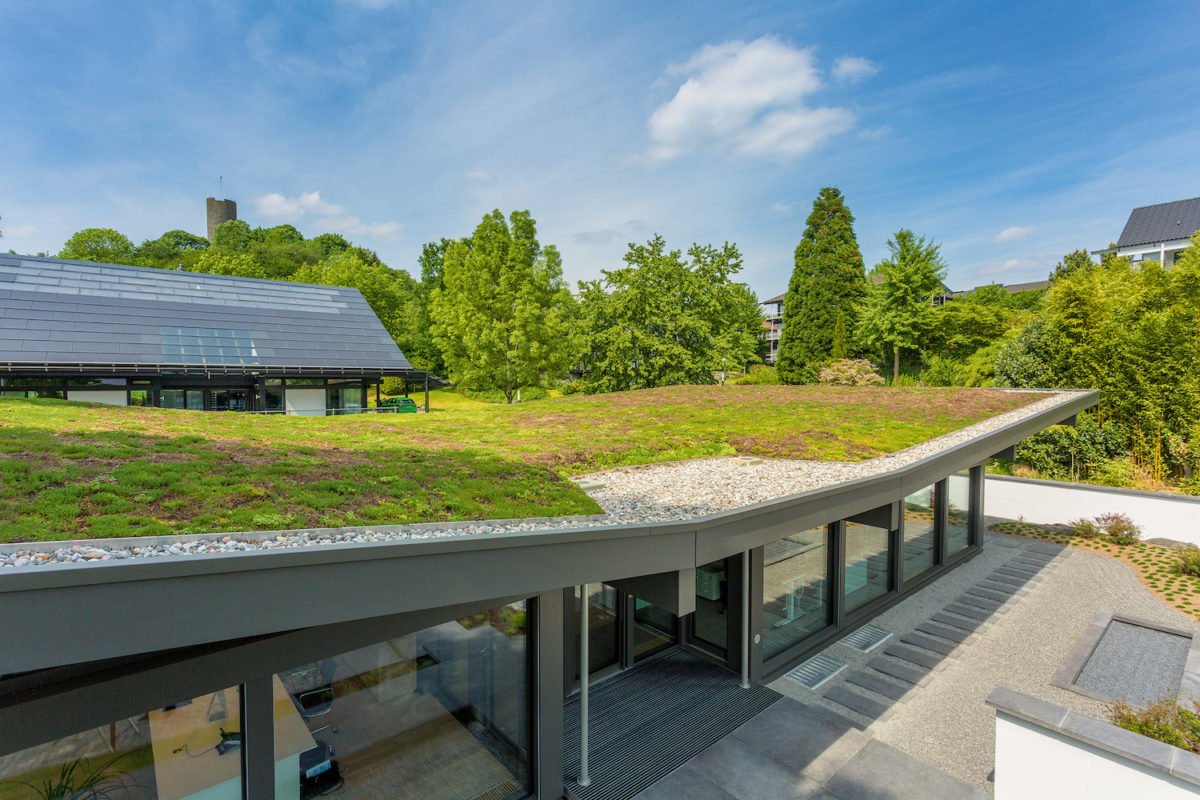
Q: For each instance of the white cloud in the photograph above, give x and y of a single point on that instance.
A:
(747, 97)
(479, 175)
(329, 217)
(1014, 232)
(870, 134)
(852, 69)
(17, 231)
(779, 207)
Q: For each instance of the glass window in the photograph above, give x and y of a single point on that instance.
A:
(958, 525)
(441, 713)
(33, 394)
(346, 399)
(920, 545)
(604, 635)
(868, 565)
(305, 381)
(795, 589)
(139, 397)
(273, 395)
(33, 383)
(190, 749)
(653, 629)
(711, 620)
(192, 399)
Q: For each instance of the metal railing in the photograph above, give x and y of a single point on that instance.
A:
(333, 412)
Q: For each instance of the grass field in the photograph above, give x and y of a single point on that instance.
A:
(75, 470)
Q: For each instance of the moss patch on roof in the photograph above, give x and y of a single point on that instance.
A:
(76, 470)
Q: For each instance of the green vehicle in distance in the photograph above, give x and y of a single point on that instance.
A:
(402, 405)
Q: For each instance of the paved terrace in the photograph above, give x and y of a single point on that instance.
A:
(630, 496)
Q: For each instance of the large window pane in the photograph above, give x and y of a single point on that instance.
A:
(958, 516)
(711, 621)
(346, 399)
(867, 564)
(919, 542)
(191, 749)
(440, 714)
(603, 631)
(795, 589)
(273, 395)
(653, 629)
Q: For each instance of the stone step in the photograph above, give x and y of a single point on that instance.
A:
(981, 602)
(1016, 581)
(1006, 588)
(946, 632)
(968, 625)
(869, 707)
(921, 658)
(970, 612)
(899, 670)
(988, 594)
(1031, 561)
(872, 681)
(1020, 569)
(929, 643)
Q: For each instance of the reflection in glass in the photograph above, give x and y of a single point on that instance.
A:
(182, 398)
(603, 631)
(273, 395)
(439, 714)
(795, 594)
(710, 622)
(346, 399)
(958, 515)
(867, 564)
(919, 542)
(653, 629)
(190, 749)
(139, 397)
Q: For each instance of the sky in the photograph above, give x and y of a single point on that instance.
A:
(1009, 132)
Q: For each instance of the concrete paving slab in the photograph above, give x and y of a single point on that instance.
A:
(993, 586)
(881, 772)
(988, 594)
(872, 681)
(816, 741)
(968, 625)
(946, 632)
(869, 707)
(686, 783)
(909, 673)
(744, 772)
(976, 601)
(929, 643)
(969, 611)
(912, 655)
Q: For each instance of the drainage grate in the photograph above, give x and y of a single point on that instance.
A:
(818, 669)
(867, 638)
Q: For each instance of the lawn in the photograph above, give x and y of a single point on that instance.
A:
(76, 470)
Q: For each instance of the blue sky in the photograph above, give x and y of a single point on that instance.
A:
(1010, 132)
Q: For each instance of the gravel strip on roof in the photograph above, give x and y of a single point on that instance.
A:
(663, 492)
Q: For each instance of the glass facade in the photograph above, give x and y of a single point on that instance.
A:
(441, 714)
(604, 631)
(711, 621)
(190, 749)
(345, 398)
(273, 395)
(920, 533)
(795, 589)
(653, 629)
(192, 399)
(867, 562)
(958, 516)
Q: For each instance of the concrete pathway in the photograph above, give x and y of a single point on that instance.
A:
(796, 751)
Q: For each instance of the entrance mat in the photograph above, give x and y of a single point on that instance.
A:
(650, 720)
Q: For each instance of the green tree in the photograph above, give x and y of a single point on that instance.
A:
(235, 235)
(102, 245)
(390, 293)
(827, 280)
(899, 314)
(330, 244)
(1072, 262)
(217, 262)
(663, 319)
(503, 316)
(425, 352)
(170, 249)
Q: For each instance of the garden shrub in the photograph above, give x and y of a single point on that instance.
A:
(1085, 529)
(758, 375)
(1119, 528)
(1165, 721)
(1188, 562)
(1063, 452)
(497, 396)
(850, 372)
(570, 387)
(942, 372)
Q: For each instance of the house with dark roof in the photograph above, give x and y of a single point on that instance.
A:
(122, 335)
(772, 309)
(1158, 232)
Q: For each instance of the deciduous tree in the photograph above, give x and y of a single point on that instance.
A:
(102, 245)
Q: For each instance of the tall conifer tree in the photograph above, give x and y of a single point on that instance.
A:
(828, 282)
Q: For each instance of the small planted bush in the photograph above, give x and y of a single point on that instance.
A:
(758, 375)
(1165, 721)
(850, 372)
(1085, 529)
(1119, 528)
(1187, 562)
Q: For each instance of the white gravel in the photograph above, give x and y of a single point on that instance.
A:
(631, 495)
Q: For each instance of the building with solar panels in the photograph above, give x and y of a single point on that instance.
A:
(110, 333)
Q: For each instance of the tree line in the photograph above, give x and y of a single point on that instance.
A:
(492, 310)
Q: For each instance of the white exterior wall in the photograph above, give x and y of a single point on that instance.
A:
(109, 397)
(308, 402)
(1033, 762)
(1048, 502)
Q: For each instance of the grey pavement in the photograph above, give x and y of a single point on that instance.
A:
(797, 751)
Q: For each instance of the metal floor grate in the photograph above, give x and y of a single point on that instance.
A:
(867, 638)
(818, 669)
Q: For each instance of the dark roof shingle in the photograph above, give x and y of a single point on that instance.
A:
(1164, 222)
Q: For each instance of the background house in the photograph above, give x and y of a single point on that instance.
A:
(1158, 232)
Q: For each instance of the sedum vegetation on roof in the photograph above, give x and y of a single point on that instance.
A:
(76, 470)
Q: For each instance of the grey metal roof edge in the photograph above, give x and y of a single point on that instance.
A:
(1158, 756)
(973, 451)
(167, 367)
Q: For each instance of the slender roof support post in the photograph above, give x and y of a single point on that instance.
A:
(377, 392)
(746, 620)
(426, 393)
(584, 778)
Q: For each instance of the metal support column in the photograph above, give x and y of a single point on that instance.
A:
(746, 620)
(426, 394)
(552, 612)
(378, 392)
(584, 778)
(258, 738)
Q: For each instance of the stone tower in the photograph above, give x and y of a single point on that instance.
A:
(219, 211)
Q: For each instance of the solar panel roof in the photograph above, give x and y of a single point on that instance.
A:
(59, 313)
